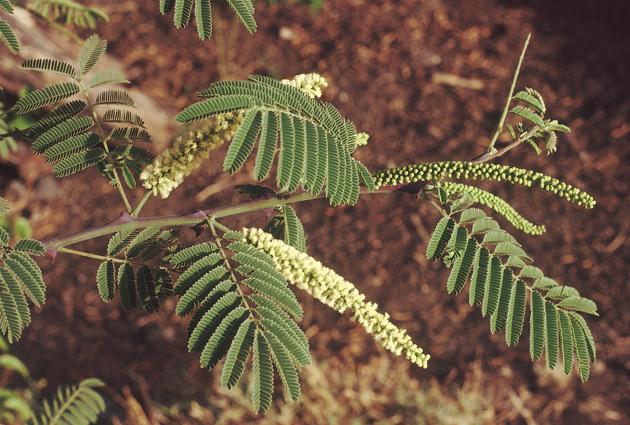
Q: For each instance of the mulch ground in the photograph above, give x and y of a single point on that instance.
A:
(386, 62)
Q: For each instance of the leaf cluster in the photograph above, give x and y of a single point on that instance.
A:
(502, 282)
(182, 11)
(313, 141)
(136, 268)
(241, 307)
(532, 126)
(77, 134)
(21, 281)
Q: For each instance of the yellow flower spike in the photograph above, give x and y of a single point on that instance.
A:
(333, 290)
(168, 170)
(311, 84)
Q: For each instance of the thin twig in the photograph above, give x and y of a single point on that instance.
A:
(499, 129)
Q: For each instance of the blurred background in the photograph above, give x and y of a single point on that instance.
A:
(427, 80)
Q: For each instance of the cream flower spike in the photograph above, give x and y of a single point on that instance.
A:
(333, 290)
(168, 170)
(311, 84)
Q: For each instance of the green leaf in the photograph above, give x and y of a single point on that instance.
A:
(537, 326)
(262, 374)
(244, 9)
(499, 317)
(566, 337)
(203, 16)
(581, 349)
(107, 76)
(6, 6)
(590, 341)
(580, 304)
(30, 246)
(528, 114)
(480, 271)
(127, 286)
(462, 267)
(50, 65)
(73, 145)
(114, 97)
(267, 146)
(28, 275)
(147, 294)
(106, 280)
(243, 142)
(470, 215)
(286, 158)
(78, 162)
(91, 52)
(45, 96)
(294, 234)
(183, 10)
(285, 367)
(237, 354)
(492, 287)
(516, 313)
(562, 292)
(439, 238)
(551, 334)
(218, 343)
(13, 364)
(8, 37)
(209, 107)
(76, 405)
(64, 130)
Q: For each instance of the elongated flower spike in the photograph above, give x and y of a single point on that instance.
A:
(337, 293)
(491, 200)
(485, 171)
(169, 169)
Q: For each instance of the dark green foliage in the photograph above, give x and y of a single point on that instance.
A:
(183, 10)
(241, 306)
(74, 136)
(286, 225)
(21, 281)
(315, 142)
(76, 405)
(532, 127)
(68, 12)
(500, 278)
(140, 279)
(7, 35)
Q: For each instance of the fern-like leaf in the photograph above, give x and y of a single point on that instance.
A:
(105, 77)
(440, 237)
(114, 97)
(45, 96)
(8, 37)
(77, 405)
(91, 52)
(237, 354)
(500, 280)
(78, 162)
(241, 305)
(203, 18)
(516, 313)
(262, 373)
(106, 280)
(316, 142)
(50, 65)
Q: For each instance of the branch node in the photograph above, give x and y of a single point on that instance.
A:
(124, 218)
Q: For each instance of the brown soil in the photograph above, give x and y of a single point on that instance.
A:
(381, 59)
